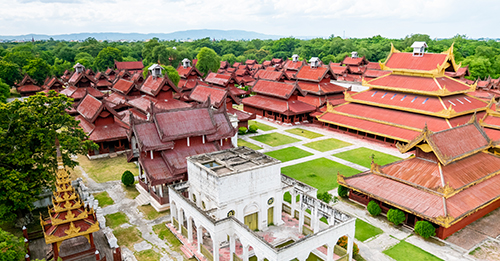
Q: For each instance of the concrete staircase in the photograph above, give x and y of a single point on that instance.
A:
(142, 199)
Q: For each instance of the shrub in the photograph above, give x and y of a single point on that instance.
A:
(373, 208)
(242, 130)
(128, 178)
(342, 242)
(253, 128)
(11, 247)
(325, 196)
(343, 191)
(396, 216)
(425, 229)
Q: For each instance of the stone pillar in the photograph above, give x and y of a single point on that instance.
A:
(160, 187)
(301, 220)
(316, 220)
(245, 253)
(349, 247)
(329, 252)
(232, 247)
(190, 230)
(199, 237)
(215, 244)
(278, 210)
(294, 204)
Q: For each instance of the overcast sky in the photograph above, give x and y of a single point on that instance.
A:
(358, 18)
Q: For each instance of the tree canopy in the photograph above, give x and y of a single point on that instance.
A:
(11, 247)
(106, 58)
(38, 70)
(208, 60)
(173, 75)
(28, 130)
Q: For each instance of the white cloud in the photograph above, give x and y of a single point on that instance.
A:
(362, 18)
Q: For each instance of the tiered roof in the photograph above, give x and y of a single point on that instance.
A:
(68, 217)
(28, 86)
(450, 177)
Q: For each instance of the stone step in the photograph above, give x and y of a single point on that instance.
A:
(142, 199)
(187, 252)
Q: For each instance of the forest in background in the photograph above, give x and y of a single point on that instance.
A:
(40, 59)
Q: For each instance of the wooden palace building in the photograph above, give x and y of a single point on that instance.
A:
(415, 93)
(451, 181)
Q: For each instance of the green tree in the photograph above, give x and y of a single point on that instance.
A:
(11, 247)
(4, 91)
(28, 161)
(66, 53)
(147, 51)
(38, 70)
(10, 72)
(173, 75)
(208, 60)
(60, 66)
(106, 58)
(396, 216)
(343, 191)
(425, 229)
(373, 208)
(128, 178)
(230, 58)
(19, 58)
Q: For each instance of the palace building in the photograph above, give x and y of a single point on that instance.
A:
(451, 181)
(416, 92)
(232, 208)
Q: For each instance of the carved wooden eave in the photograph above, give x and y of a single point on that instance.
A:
(447, 190)
(403, 148)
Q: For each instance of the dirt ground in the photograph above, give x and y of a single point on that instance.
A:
(489, 250)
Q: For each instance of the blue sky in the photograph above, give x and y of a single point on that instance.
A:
(361, 18)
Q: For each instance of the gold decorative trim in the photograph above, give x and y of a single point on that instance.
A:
(445, 220)
(447, 190)
(340, 178)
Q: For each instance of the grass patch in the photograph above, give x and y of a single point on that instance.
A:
(165, 234)
(128, 236)
(107, 169)
(404, 251)
(363, 157)
(320, 173)
(130, 191)
(473, 252)
(365, 231)
(248, 144)
(261, 126)
(147, 255)
(288, 154)
(328, 144)
(104, 199)
(150, 213)
(275, 139)
(304, 133)
(116, 219)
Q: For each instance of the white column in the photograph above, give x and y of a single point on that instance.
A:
(151, 153)
(329, 252)
(232, 246)
(245, 253)
(301, 220)
(199, 236)
(294, 196)
(316, 220)
(190, 230)
(181, 220)
(140, 171)
(278, 209)
(203, 138)
(349, 247)
(160, 188)
(215, 244)
(188, 141)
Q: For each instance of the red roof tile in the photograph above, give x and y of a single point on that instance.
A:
(459, 141)
(200, 94)
(108, 132)
(123, 86)
(184, 123)
(89, 108)
(278, 105)
(415, 83)
(277, 89)
(375, 73)
(129, 65)
(149, 138)
(312, 74)
(157, 170)
(291, 65)
(427, 62)
(269, 75)
(322, 88)
(177, 156)
(218, 79)
(373, 66)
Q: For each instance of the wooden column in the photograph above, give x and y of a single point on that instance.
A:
(91, 239)
(56, 250)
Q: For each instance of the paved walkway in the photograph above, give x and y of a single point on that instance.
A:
(372, 248)
(136, 218)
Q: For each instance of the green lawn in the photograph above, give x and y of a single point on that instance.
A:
(147, 255)
(404, 251)
(107, 169)
(320, 173)
(304, 133)
(261, 126)
(363, 157)
(328, 144)
(150, 213)
(248, 144)
(116, 219)
(104, 199)
(274, 139)
(128, 236)
(365, 231)
(288, 154)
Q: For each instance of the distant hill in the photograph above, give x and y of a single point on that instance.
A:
(179, 35)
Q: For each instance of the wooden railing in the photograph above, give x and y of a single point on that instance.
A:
(161, 200)
(143, 185)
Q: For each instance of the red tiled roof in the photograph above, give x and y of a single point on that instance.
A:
(373, 66)
(268, 75)
(277, 89)
(291, 65)
(153, 85)
(312, 74)
(322, 88)
(354, 61)
(218, 79)
(148, 137)
(129, 65)
(184, 123)
(116, 98)
(176, 158)
(108, 132)
(157, 170)
(278, 105)
(410, 102)
(375, 73)
(337, 69)
(89, 108)
(493, 134)
(123, 86)
(416, 83)
(427, 62)
(223, 126)
(84, 124)
(200, 94)
(237, 92)
(242, 115)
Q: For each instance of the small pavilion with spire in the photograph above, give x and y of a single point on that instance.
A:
(69, 217)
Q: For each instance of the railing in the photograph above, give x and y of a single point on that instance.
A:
(143, 185)
(119, 148)
(78, 256)
(161, 200)
(103, 150)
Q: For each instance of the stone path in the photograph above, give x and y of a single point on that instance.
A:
(136, 218)
(372, 248)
